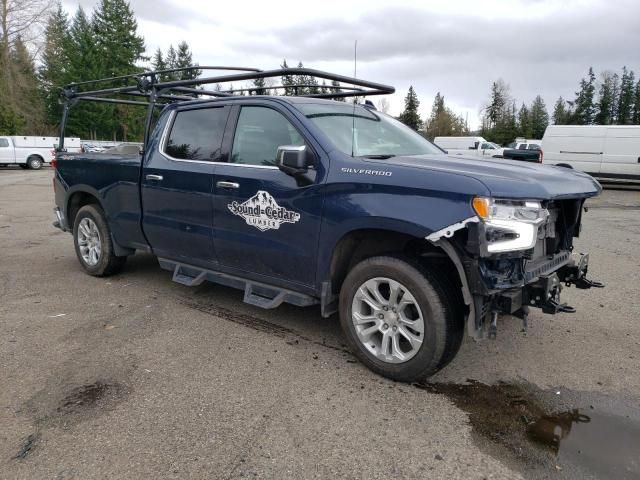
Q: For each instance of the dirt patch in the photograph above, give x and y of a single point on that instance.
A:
(27, 447)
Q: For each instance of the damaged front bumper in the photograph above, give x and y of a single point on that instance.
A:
(512, 282)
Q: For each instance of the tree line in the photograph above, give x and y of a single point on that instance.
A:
(614, 99)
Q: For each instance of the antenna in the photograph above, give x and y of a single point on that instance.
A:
(353, 117)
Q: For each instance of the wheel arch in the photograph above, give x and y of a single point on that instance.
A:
(78, 198)
(362, 243)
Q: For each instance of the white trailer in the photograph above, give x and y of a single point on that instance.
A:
(609, 152)
(32, 152)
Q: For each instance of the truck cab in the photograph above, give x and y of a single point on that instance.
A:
(474, 146)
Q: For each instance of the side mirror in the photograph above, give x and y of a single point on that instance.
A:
(292, 159)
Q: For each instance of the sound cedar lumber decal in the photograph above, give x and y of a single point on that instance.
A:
(262, 212)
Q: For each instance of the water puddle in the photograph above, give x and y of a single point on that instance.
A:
(572, 434)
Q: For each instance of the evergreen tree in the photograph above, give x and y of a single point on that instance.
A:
(626, 101)
(29, 105)
(410, 115)
(538, 117)
(605, 100)
(157, 62)
(53, 72)
(524, 122)
(260, 83)
(300, 80)
(119, 47)
(184, 59)
(171, 62)
(336, 88)
(584, 103)
(443, 121)
(287, 80)
(499, 100)
(636, 105)
(560, 112)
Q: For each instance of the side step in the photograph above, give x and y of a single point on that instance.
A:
(255, 293)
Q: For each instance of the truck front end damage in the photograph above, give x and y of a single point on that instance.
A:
(513, 255)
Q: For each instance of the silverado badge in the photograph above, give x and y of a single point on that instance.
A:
(263, 212)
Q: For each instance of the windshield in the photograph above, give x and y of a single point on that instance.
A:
(365, 132)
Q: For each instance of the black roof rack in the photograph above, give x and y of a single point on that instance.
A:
(151, 89)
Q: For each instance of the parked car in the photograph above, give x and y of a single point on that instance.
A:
(528, 152)
(469, 146)
(317, 202)
(610, 153)
(31, 152)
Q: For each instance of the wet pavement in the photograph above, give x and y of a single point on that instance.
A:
(137, 376)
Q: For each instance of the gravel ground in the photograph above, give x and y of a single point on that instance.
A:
(135, 376)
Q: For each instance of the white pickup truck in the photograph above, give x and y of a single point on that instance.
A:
(32, 152)
(469, 146)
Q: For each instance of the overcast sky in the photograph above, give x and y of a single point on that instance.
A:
(457, 47)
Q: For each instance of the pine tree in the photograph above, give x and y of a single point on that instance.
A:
(584, 103)
(260, 83)
(300, 80)
(615, 97)
(53, 72)
(560, 112)
(184, 59)
(626, 101)
(171, 62)
(538, 117)
(524, 122)
(336, 88)
(287, 80)
(499, 99)
(157, 62)
(605, 100)
(29, 105)
(120, 47)
(443, 121)
(83, 64)
(636, 105)
(410, 115)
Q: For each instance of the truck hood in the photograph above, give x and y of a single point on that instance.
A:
(506, 178)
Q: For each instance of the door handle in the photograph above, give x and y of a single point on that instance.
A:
(227, 185)
(157, 178)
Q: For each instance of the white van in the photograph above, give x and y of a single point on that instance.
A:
(32, 152)
(608, 152)
(477, 146)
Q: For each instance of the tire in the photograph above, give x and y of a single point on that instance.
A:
(34, 162)
(442, 326)
(95, 251)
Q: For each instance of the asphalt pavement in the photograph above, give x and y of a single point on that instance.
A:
(134, 376)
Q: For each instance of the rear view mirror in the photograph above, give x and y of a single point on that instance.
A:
(292, 159)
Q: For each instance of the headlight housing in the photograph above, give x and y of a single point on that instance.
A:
(511, 225)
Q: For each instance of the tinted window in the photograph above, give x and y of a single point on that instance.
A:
(4, 142)
(197, 134)
(533, 146)
(259, 133)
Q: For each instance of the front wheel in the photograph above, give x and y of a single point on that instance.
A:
(398, 319)
(34, 162)
(94, 247)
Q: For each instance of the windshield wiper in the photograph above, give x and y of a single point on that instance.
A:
(378, 157)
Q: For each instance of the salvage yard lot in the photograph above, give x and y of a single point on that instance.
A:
(137, 376)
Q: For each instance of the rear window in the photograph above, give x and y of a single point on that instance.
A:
(197, 134)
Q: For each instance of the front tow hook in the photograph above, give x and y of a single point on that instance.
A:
(584, 283)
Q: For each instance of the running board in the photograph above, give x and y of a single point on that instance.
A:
(255, 293)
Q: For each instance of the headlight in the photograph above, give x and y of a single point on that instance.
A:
(511, 225)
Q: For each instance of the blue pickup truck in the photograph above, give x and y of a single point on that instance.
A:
(307, 200)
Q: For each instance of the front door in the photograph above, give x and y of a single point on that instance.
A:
(6, 151)
(266, 223)
(177, 185)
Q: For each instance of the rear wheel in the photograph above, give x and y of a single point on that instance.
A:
(34, 162)
(398, 319)
(94, 247)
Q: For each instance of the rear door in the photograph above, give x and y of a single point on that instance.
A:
(177, 185)
(266, 222)
(6, 150)
(621, 158)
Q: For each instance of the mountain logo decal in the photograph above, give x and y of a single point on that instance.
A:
(263, 212)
